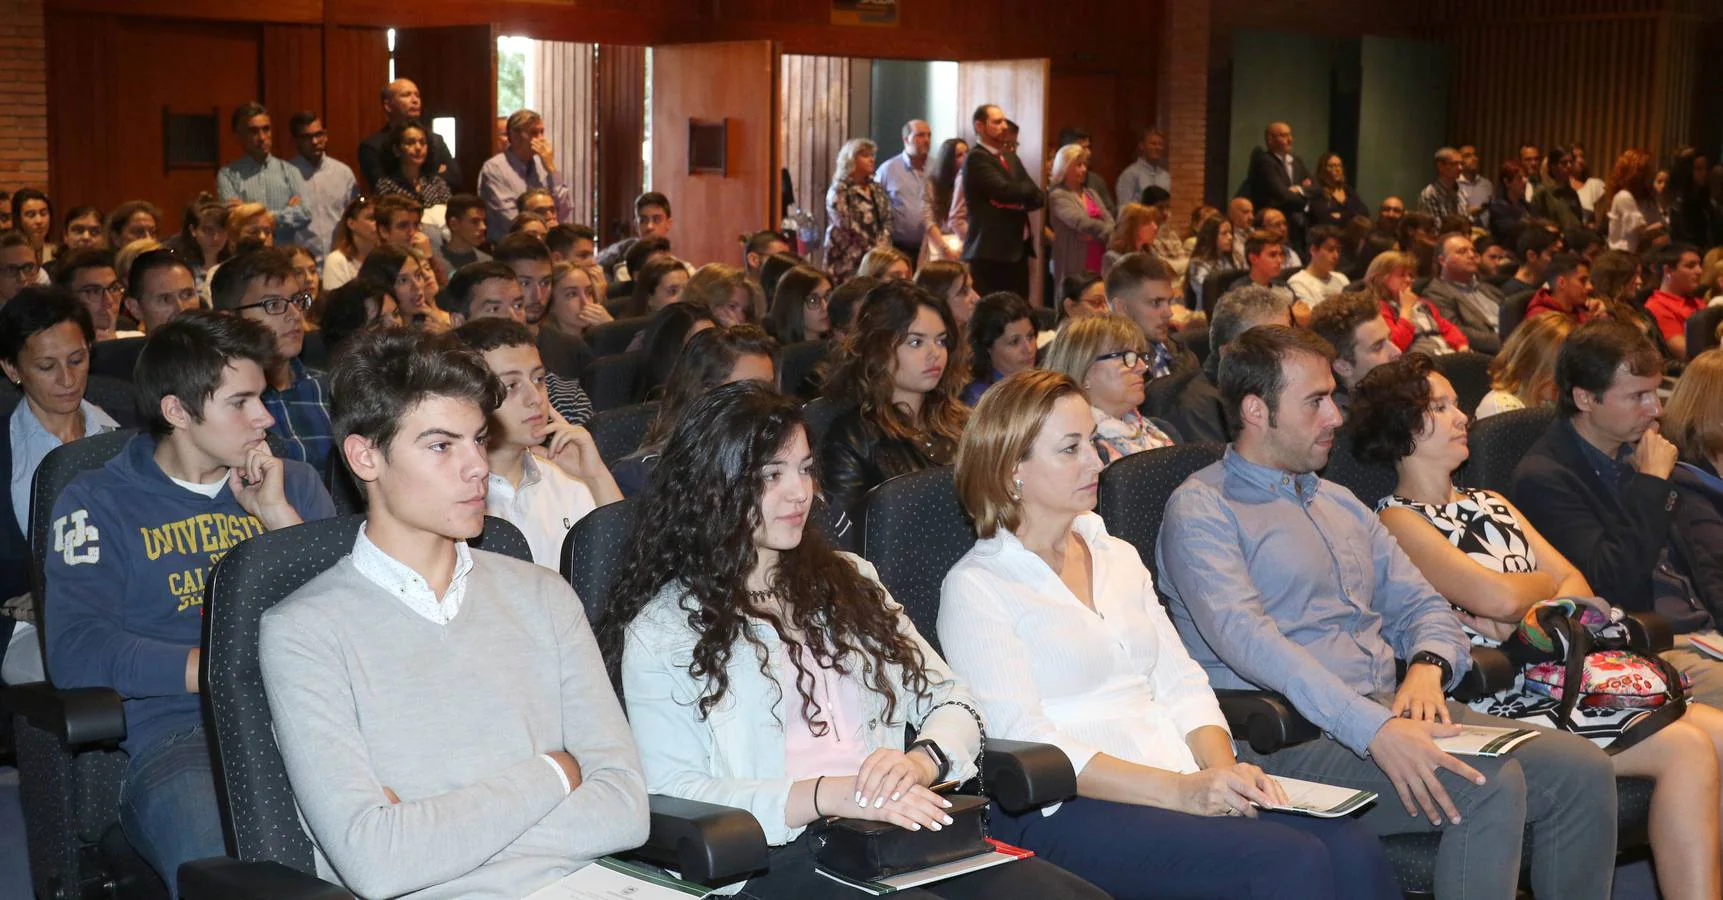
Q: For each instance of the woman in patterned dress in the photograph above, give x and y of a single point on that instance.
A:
(858, 212)
(1482, 554)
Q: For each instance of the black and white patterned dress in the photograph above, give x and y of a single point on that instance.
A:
(1484, 528)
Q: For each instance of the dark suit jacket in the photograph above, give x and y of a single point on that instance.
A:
(1189, 400)
(1000, 195)
(375, 161)
(1268, 187)
(1614, 537)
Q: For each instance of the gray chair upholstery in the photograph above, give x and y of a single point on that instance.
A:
(819, 414)
(609, 380)
(1498, 443)
(1469, 373)
(612, 338)
(1135, 489)
(913, 531)
(618, 432)
(1367, 480)
(592, 554)
(259, 819)
(1513, 313)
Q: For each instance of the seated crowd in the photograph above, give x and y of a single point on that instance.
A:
(453, 725)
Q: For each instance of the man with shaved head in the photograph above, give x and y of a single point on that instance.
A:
(1279, 180)
(401, 102)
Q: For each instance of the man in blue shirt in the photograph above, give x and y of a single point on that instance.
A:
(329, 182)
(258, 177)
(904, 178)
(1281, 581)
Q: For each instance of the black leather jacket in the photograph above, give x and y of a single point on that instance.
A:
(856, 455)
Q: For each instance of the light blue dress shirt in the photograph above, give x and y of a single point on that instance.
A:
(31, 442)
(329, 187)
(907, 187)
(274, 184)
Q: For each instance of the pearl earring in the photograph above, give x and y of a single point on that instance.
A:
(1017, 494)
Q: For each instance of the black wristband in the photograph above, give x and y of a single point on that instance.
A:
(817, 782)
(1425, 656)
(938, 755)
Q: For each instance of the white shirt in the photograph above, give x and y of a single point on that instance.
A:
(31, 443)
(1312, 290)
(410, 587)
(1627, 214)
(1497, 402)
(545, 506)
(1046, 668)
(338, 270)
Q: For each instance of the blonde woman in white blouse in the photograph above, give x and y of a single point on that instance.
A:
(1056, 627)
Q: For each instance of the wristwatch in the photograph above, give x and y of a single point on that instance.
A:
(938, 756)
(1425, 656)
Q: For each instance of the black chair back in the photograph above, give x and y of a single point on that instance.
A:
(1369, 481)
(1498, 443)
(1195, 339)
(344, 489)
(820, 413)
(618, 432)
(796, 365)
(1701, 330)
(610, 379)
(116, 397)
(1135, 491)
(592, 554)
(612, 338)
(913, 531)
(1469, 373)
(259, 819)
(116, 359)
(315, 351)
(1513, 313)
(58, 468)
(1218, 283)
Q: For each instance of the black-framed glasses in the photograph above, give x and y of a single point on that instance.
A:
(277, 306)
(1129, 357)
(92, 291)
(24, 271)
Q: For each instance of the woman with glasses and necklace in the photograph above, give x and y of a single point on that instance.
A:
(1107, 356)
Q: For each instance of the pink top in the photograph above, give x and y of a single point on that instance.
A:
(1097, 247)
(840, 750)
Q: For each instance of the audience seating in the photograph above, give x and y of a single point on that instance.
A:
(69, 765)
(258, 815)
(1195, 339)
(1513, 312)
(609, 381)
(1498, 443)
(1218, 283)
(1368, 481)
(1161, 395)
(1702, 330)
(314, 353)
(1469, 373)
(344, 489)
(612, 338)
(797, 363)
(618, 432)
(116, 358)
(819, 413)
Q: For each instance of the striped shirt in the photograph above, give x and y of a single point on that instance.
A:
(274, 184)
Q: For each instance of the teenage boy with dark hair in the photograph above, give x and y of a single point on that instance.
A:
(481, 290)
(1567, 290)
(1537, 246)
(1352, 324)
(571, 243)
(89, 275)
(133, 543)
(482, 751)
(1677, 296)
(262, 286)
(465, 218)
(530, 258)
(492, 290)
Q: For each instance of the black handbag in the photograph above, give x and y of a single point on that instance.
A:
(865, 850)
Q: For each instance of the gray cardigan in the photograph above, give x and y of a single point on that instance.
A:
(1073, 229)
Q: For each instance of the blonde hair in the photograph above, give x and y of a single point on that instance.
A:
(846, 162)
(1693, 417)
(1132, 217)
(239, 215)
(713, 283)
(129, 254)
(876, 261)
(1526, 365)
(1708, 281)
(1384, 265)
(1068, 156)
(1079, 341)
(1001, 430)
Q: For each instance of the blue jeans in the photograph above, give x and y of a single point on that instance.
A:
(168, 808)
(1142, 852)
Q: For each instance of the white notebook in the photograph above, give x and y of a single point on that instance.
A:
(1483, 740)
(1324, 801)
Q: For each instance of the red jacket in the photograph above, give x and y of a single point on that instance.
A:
(1401, 332)
(1544, 302)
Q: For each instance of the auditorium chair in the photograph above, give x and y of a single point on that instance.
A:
(1368, 480)
(345, 490)
(269, 855)
(797, 363)
(819, 413)
(1497, 444)
(1513, 313)
(1218, 283)
(116, 358)
(1195, 339)
(70, 766)
(1469, 373)
(609, 381)
(1701, 330)
(114, 396)
(1017, 775)
(618, 432)
(614, 337)
(1134, 493)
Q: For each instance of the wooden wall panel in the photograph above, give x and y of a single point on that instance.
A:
(356, 66)
(734, 81)
(455, 68)
(621, 91)
(292, 78)
(1091, 101)
(814, 103)
(564, 82)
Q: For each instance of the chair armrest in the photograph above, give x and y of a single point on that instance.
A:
(1265, 720)
(225, 878)
(703, 842)
(1021, 775)
(1649, 632)
(1491, 671)
(78, 717)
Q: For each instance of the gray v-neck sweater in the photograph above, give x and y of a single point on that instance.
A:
(455, 719)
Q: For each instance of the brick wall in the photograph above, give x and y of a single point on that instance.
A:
(1184, 102)
(23, 95)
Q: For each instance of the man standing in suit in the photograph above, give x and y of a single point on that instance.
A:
(1279, 180)
(401, 102)
(1000, 195)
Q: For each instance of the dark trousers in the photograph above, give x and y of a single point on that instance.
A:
(991, 276)
(790, 875)
(913, 251)
(1141, 852)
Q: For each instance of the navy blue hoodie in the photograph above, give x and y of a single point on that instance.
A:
(125, 578)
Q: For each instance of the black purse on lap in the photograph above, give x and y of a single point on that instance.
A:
(864, 850)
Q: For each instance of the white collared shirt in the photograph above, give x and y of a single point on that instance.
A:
(1046, 668)
(410, 587)
(31, 442)
(545, 506)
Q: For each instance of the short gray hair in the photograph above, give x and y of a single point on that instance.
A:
(1242, 309)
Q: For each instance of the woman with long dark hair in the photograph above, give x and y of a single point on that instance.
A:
(663, 341)
(33, 214)
(1335, 203)
(766, 671)
(1001, 338)
(897, 376)
(799, 307)
(410, 147)
(940, 238)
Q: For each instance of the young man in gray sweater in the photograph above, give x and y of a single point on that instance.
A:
(443, 712)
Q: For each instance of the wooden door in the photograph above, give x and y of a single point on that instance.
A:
(1019, 87)
(456, 70)
(734, 82)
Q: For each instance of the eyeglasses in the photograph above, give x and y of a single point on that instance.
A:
(92, 291)
(277, 306)
(1129, 357)
(816, 300)
(22, 271)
